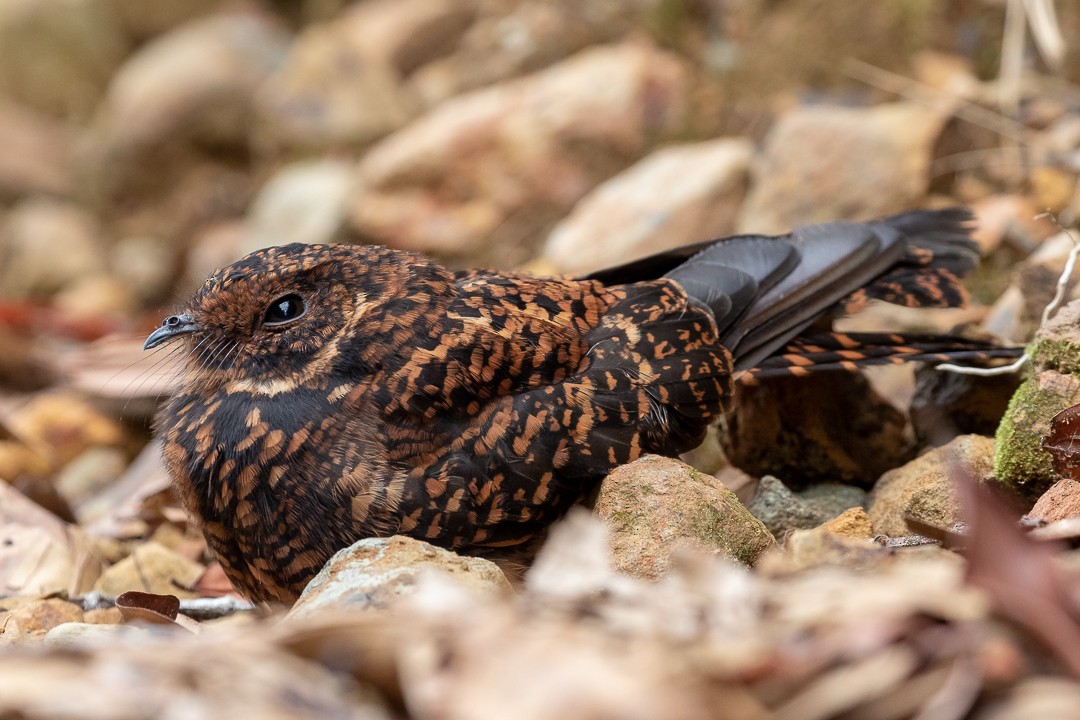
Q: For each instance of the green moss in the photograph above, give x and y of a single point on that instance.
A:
(1055, 354)
(625, 520)
(738, 533)
(1020, 463)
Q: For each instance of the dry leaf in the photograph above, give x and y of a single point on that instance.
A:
(1063, 442)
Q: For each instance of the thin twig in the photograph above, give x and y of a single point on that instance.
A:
(1051, 307)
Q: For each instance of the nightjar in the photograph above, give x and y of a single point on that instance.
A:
(336, 392)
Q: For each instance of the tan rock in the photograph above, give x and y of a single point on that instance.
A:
(40, 616)
(82, 634)
(344, 80)
(852, 523)
(506, 162)
(1035, 280)
(924, 488)
(508, 39)
(303, 202)
(676, 196)
(48, 245)
(814, 166)
(375, 572)
(146, 19)
(38, 153)
(655, 505)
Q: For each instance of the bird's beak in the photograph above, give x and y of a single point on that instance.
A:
(171, 327)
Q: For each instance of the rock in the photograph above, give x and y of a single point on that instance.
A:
(947, 404)
(57, 55)
(196, 83)
(822, 546)
(151, 568)
(375, 572)
(38, 617)
(814, 167)
(1008, 217)
(655, 505)
(508, 39)
(924, 488)
(1020, 464)
(77, 635)
(852, 523)
(82, 634)
(782, 510)
(676, 196)
(146, 265)
(826, 427)
(485, 175)
(303, 202)
(143, 20)
(341, 84)
(38, 154)
(1060, 502)
(215, 246)
(47, 245)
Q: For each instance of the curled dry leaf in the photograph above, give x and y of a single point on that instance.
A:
(137, 606)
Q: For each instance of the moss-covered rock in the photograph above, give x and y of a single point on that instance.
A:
(655, 505)
(1020, 463)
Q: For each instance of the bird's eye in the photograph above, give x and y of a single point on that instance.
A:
(285, 309)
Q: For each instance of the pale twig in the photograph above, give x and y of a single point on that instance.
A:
(1051, 307)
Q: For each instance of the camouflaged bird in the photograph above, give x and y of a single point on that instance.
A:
(337, 392)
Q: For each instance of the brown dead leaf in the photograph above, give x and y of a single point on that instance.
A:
(1063, 442)
(137, 606)
(39, 553)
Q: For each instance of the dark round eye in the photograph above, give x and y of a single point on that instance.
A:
(285, 309)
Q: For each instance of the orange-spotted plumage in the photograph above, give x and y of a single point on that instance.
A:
(337, 392)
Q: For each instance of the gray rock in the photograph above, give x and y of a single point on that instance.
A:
(782, 510)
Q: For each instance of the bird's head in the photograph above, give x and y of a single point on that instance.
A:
(269, 316)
